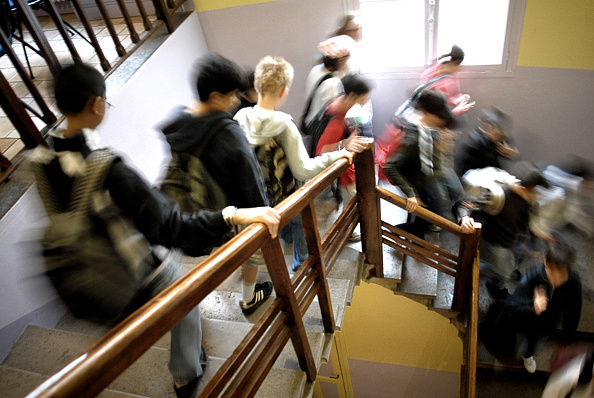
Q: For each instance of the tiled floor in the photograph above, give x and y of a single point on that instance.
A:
(10, 144)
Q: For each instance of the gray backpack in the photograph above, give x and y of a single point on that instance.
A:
(95, 257)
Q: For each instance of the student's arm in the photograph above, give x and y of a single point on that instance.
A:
(332, 135)
(573, 306)
(302, 166)
(397, 163)
(158, 218)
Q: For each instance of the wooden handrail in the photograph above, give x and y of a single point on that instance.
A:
(110, 355)
(472, 335)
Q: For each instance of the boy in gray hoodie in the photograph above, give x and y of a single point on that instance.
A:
(266, 127)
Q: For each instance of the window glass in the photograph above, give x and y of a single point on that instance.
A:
(393, 33)
(477, 26)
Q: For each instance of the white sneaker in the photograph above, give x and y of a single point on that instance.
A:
(530, 364)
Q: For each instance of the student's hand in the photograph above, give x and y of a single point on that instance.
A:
(348, 155)
(540, 300)
(267, 215)
(355, 144)
(463, 104)
(467, 225)
(413, 203)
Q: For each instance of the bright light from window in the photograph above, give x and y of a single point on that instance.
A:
(393, 33)
(477, 26)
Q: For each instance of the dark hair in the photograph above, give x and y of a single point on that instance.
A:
(75, 85)
(355, 84)
(249, 82)
(528, 173)
(559, 252)
(495, 117)
(346, 20)
(456, 54)
(330, 63)
(216, 73)
(435, 103)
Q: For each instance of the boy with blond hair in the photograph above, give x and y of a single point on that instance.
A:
(271, 132)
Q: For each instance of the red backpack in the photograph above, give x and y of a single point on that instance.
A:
(388, 144)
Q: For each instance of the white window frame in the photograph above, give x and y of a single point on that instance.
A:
(511, 47)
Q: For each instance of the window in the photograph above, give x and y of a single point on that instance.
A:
(408, 35)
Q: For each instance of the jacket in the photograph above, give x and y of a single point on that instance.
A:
(403, 168)
(228, 157)
(260, 125)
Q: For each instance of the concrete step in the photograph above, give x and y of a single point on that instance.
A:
(419, 281)
(45, 351)
(16, 383)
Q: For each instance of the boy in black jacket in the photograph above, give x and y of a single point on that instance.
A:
(227, 155)
(80, 95)
(545, 296)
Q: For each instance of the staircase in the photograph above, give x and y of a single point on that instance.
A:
(40, 352)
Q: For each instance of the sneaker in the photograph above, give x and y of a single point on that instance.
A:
(356, 235)
(261, 293)
(530, 364)
(434, 228)
(190, 389)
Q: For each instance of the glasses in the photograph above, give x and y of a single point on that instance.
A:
(108, 105)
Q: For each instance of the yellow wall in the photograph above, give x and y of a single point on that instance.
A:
(207, 5)
(383, 327)
(558, 34)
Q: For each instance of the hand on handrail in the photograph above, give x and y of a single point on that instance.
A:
(467, 225)
(413, 203)
(267, 215)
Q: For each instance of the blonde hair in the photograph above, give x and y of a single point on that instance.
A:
(272, 75)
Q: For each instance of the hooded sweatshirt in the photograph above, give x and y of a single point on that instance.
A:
(260, 125)
(227, 156)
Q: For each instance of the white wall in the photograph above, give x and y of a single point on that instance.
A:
(160, 84)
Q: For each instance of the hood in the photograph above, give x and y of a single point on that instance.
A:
(261, 124)
(183, 130)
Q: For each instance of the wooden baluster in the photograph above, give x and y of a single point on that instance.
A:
(89, 29)
(4, 163)
(126, 15)
(51, 10)
(31, 22)
(48, 115)
(107, 20)
(371, 236)
(275, 261)
(468, 251)
(312, 236)
(18, 116)
(163, 13)
(145, 20)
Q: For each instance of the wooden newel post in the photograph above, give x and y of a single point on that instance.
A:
(468, 252)
(371, 237)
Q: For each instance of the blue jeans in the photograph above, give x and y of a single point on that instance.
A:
(293, 232)
(186, 336)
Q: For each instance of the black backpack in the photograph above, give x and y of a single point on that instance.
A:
(303, 126)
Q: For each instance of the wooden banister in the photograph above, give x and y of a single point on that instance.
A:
(111, 354)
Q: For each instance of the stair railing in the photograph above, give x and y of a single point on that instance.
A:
(463, 266)
(244, 371)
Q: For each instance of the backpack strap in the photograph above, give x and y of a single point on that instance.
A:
(310, 99)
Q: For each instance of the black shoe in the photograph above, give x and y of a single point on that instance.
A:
(261, 293)
(494, 288)
(516, 275)
(190, 390)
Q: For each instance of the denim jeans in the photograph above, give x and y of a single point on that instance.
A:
(293, 232)
(186, 336)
